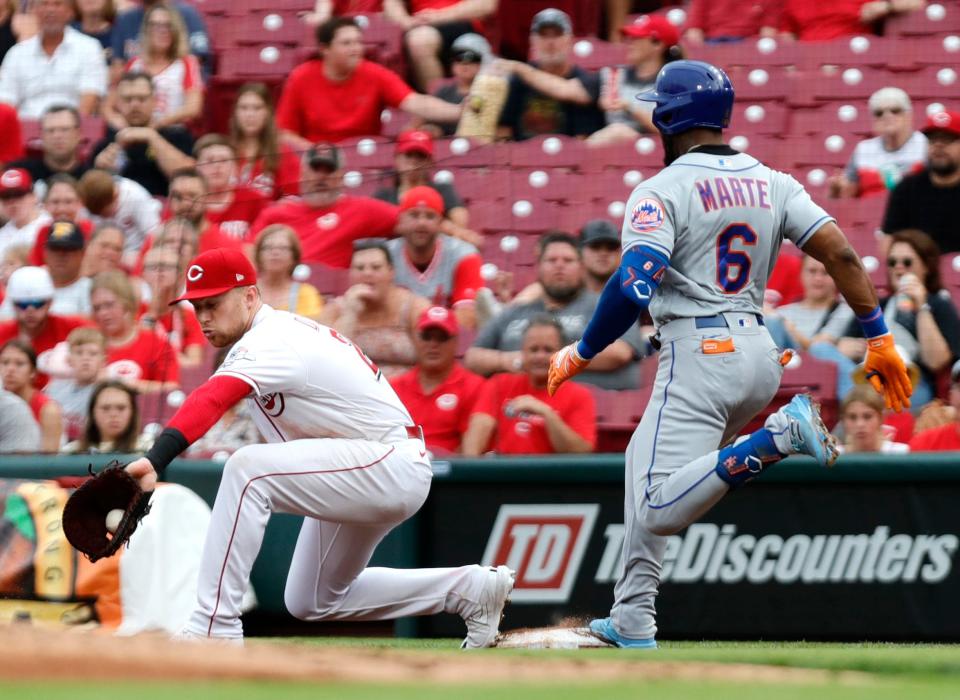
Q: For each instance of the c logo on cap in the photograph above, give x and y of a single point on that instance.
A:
(194, 273)
(11, 178)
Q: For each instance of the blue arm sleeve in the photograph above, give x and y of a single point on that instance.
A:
(626, 294)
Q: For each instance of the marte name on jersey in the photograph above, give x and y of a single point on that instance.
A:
(710, 553)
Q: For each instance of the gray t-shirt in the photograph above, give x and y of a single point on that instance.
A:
(505, 333)
(813, 322)
(74, 400)
(19, 431)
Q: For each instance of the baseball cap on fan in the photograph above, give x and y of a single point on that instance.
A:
(470, 47)
(30, 283)
(946, 121)
(324, 155)
(415, 141)
(653, 27)
(215, 272)
(551, 17)
(15, 182)
(438, 317)
(422, 196)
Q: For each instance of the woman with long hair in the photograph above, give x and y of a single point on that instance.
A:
(275, 255)
(263, 163)
(113, 421)
(95, 18)
(861, 415)
(18, 368)
(165, 57)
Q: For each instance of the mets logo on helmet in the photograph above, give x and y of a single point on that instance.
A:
(647, 215)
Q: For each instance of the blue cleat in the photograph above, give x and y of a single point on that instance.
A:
(808, 434)
(604, 630)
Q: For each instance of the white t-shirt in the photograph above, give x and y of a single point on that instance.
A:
(886, 447)
(170, 86)
(10, 234)
(32, 81)
(137, 214)
(309, 381)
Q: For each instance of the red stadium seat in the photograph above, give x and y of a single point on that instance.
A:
(923, 23)
(547, 151)
(593, 54)
(329, 281)
(247, 63)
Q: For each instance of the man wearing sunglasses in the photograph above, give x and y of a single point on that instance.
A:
(30, 291)
(467, 54)
(928, 200)
(327, 221)
(878, 164)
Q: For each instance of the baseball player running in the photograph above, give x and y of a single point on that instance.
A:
(342, 452)
(699, 241)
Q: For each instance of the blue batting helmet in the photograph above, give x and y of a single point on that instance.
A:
(690, 94)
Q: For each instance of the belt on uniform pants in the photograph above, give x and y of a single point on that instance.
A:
(719, 321)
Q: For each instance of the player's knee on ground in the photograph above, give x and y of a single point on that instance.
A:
(423, 42)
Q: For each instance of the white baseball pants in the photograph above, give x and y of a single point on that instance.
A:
(351, 494)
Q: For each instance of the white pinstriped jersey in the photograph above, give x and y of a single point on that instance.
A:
(309, 381)
(720, 217)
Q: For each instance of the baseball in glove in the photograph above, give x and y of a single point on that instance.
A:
(85, 514)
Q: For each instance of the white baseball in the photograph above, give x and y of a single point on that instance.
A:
(443, 177)
(113, 520)
(870, 263)
(352, 178)
(846, 113)
(951, 43)
(758, 76)
(852, 76)
(955, 263)
(755, 113)
(272, 22)
(269, 54)
(509, 244)
(301, 273)
(538, 179)
(175, 398)
(459, 146)
(632, 178)
(834, 143)
(522, 208)
(767, 45)
(816, 177)
(366, 147)
(946, 76)
(677, 16)
(859, 44)
(935, 13)
(488, 271)
(616, 209)
(934, 108)
(645, 145)
(583, 48)
(552, 145)
(739, 143)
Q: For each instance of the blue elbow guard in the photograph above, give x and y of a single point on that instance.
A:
(627, 292)
(641, 272)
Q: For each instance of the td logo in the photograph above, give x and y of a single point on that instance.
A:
(544, 544)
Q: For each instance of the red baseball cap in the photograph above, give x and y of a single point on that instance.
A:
(415, 142)
(215, 272)
(15, 182)
(422, 196)
(943, 121)
(653, 26)
(438, 317)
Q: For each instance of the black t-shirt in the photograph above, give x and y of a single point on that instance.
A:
(451, 200)
(449, 93)
(141, 165)
(917, 203)
(7, 37)
(40, 171)
(529, 113)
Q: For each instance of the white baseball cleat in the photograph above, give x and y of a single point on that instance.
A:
(188, 637)
(483, 622)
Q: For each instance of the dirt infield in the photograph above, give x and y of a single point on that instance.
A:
(34, 653)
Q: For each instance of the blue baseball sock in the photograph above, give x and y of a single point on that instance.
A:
(746, 458)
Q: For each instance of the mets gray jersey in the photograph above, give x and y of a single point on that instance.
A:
(720, 219)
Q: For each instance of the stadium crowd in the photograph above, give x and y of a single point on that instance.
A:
(458, 259)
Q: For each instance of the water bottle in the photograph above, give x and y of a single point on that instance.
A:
(905, 302)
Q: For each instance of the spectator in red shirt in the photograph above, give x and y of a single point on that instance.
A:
(136, 356)
(18, 368)
(163, 278)
(325, 9)
(823, 21)
(30, 291)
(342, 95)
(945, 437)
(439, 392)
(11, 146)
(327, 221)
(441, 268)
(263, 162)
(413, 165)
(430, 28)
(728, 20)
(232, 208)
(514, 414)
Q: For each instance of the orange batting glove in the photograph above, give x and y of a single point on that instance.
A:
(887, 373)
(563, 365)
